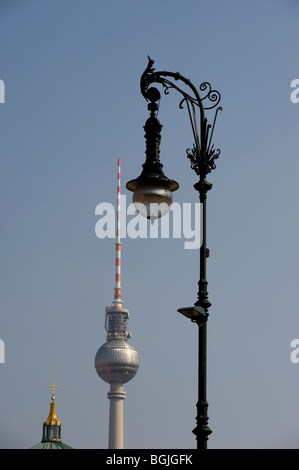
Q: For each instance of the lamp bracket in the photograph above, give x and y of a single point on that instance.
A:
(203, 154)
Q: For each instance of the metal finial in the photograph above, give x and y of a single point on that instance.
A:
(53, 386)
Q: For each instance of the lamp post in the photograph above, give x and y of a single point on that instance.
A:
(152, 196)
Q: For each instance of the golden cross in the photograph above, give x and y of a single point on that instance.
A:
(53, 386)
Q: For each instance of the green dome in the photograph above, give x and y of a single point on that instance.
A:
(51, 445)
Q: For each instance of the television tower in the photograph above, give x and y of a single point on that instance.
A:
(117, 362)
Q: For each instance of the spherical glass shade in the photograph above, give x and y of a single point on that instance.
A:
(152, 202)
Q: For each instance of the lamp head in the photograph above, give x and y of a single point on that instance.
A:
(152, 193)
(152, 190)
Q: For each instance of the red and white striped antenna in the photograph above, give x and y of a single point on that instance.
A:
(117, 290)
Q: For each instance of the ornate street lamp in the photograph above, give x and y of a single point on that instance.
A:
(152, 197)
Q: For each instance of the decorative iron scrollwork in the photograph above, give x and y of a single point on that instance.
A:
(205, 163)
(203, 154)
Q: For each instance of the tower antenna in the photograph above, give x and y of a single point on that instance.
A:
(117, 290)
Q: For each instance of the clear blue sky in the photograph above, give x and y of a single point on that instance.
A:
(71, 70)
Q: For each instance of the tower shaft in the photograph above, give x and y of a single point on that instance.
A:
(116, 416)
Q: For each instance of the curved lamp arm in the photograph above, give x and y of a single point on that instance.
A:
(203, 154)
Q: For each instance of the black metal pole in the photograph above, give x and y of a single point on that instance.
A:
(202, 157)
(202, 430)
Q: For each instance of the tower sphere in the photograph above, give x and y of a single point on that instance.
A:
(117, 361)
